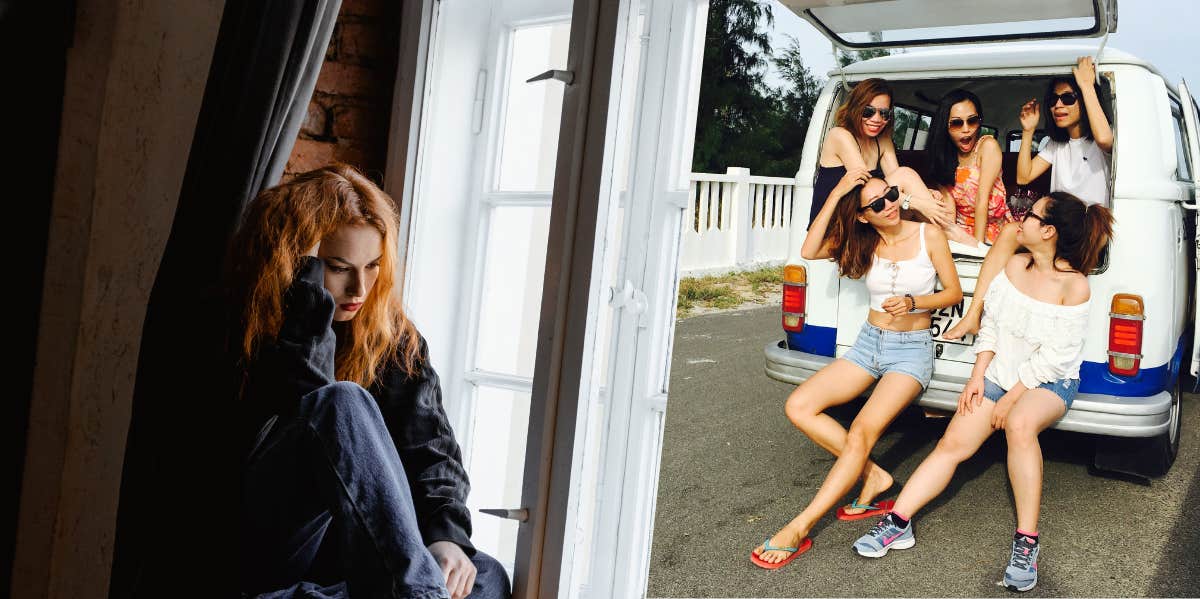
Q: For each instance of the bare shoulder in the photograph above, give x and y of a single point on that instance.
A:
(989, 145)
(1076, 289)
(839, 136)
(934, 235)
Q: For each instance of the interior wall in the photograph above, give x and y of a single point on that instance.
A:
(135, 75)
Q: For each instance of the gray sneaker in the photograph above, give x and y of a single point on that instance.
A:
(1021, 574)
(884, 536)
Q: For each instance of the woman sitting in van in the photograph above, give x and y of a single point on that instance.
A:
(864, 137)
(1080, 150)
(352, 476)
(1028, 355)
(901, 263)
(966, 166)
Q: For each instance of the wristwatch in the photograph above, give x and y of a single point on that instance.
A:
(912, 302)
(905, 203)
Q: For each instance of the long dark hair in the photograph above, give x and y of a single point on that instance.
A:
(849, 115)
(1083, 230)
(1054, 131)
(853, 242)
(943, 155)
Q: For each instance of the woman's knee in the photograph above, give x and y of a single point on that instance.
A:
(800, 406)
(1021, 432)
(860, 438)
(952, 448)
(344, 399)
(490, 576)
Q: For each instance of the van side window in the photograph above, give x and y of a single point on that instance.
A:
(1183, 159)
(1013, 141)
(911, 129)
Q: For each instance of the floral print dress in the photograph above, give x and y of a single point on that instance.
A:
(966, 186)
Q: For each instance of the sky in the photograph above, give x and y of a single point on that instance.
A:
(1162, 32)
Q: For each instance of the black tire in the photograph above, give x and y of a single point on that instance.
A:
(1148, 457)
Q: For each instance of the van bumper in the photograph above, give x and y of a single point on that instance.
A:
(1091, 413)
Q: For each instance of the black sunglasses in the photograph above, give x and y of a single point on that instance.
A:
(869, 111)
(957, 123)
(891, 195)
(1033, 214)
(1068, 99)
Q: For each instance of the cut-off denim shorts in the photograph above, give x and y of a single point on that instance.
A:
(880, 351)
(1065, 389)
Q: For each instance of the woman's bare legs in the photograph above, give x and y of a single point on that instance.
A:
(891, 395)
(967, 431)
(1033, 413)
(834, 385)
(997, 257)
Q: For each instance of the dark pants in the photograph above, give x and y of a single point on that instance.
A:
(328, 482)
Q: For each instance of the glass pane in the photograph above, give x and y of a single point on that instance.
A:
(512, 289)
(529, 135)
(495, 467)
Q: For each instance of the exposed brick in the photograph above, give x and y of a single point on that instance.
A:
(349, 80)
(361, 43)
(363, 8)
(315, 122)
(360, 122)
(310, 154)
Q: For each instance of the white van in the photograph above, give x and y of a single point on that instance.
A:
(1143, 292)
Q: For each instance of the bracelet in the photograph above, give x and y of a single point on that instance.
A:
(912, 302)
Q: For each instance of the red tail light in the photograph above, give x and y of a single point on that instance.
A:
(1125, 320)
(795, 289)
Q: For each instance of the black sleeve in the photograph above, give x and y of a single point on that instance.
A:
(412, 408)
(300, 359)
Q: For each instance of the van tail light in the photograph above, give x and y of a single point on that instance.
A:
(1125, 324)
(795, 290)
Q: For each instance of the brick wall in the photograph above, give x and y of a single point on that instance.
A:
(350, 110)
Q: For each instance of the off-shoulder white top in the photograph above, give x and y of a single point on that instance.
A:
(1035, 342)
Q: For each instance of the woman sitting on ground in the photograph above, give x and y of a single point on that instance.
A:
(353, 481)
(1029, 351)
(901, 262)
(966, 167)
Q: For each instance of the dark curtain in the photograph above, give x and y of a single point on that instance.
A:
(176, 523)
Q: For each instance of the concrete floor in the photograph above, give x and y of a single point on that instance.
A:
(734, 470)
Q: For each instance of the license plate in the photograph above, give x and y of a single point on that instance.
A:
(944, 319)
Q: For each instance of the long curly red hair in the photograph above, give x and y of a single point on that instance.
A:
(287, 220)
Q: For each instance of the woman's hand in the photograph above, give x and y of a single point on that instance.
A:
(896, 305)
(1003, 407)
(456, 567)
(1085, 72)
(971, 396)
(853, 178)
(939, 212)
(1031, 114)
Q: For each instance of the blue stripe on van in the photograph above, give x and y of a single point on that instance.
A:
(1094, 377)
(814, 340)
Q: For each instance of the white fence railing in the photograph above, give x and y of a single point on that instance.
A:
(735, 222)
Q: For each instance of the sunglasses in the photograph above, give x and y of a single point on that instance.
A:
(1032, 214)
(869, 111)
(957, 123)
(891, 195)
(1068, 99)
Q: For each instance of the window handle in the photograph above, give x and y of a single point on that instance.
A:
(518, 514)
(567, 77)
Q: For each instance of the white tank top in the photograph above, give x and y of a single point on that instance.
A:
(888, 278)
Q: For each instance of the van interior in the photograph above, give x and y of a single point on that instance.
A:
(916, 100)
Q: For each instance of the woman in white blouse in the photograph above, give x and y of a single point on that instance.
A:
(1029, 350)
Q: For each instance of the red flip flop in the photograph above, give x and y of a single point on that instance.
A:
(805, 545)
(876, 509)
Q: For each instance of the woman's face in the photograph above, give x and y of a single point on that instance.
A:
(1032, 226)
(872, 191)
(1065, 116)
(871, 126)
(963, 126)
(351, 255)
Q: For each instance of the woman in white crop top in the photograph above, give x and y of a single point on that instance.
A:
(1029, 350)
(901, 261)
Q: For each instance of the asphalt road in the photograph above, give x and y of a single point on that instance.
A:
(734, 470)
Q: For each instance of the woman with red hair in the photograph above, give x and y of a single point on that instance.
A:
(353, 480)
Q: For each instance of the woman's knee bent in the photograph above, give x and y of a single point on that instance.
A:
(490, 578)
(801, 407)
(1021, 432)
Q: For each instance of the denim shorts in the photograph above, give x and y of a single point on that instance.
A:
(879, 351)
(1063, 388)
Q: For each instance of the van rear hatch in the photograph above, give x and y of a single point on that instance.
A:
(862, 24)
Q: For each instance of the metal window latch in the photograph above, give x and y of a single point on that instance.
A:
(567, 77)
(518, 514)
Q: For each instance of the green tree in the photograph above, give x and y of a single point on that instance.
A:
(792, 110)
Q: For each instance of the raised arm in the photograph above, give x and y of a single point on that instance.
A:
(989, 170)
(1085, 78)
(816, 246)
(1028, 166)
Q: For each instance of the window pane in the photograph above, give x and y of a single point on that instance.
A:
(512, 289)
(496, 464)
(529, 138)
(1183, 170)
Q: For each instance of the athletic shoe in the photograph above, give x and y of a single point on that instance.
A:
(883, 537)
(1021, 574)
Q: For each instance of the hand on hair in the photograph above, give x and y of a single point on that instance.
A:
(1085, 72)
(1031, 113)
(855, 177)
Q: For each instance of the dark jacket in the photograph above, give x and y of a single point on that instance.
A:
(301, 359)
